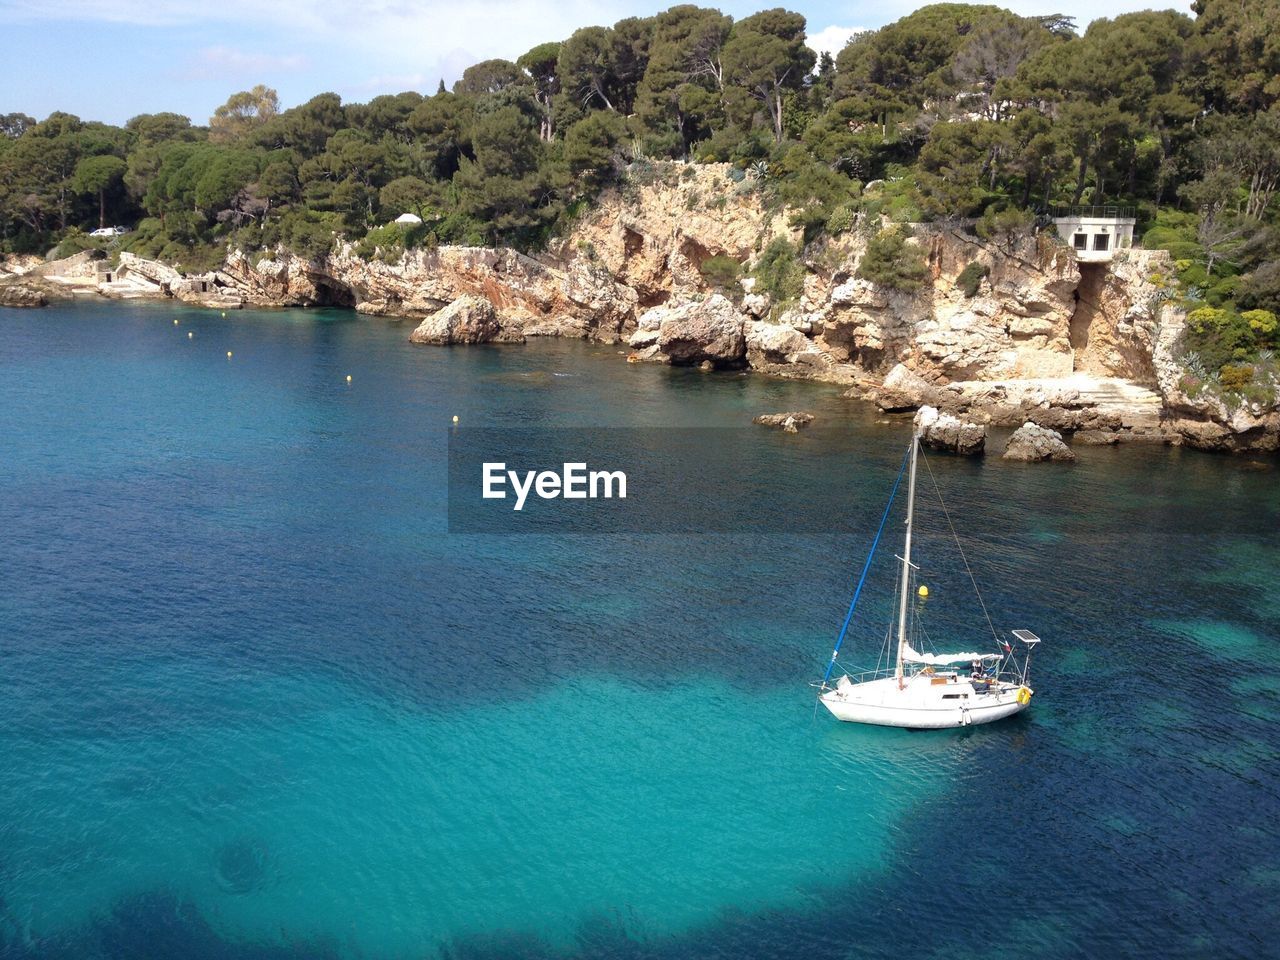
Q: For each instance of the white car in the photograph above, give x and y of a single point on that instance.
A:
(109, 232)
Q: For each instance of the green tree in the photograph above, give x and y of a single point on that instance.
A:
(892, 261)
(442, 125)
(765, 56)
(897, 68)
(678, 92)
(591, 144)
(97, 176)
(587, 68)
(1238, 48)
(491, 76)
(504, 186)
(242, 113)
(541, 64)
(405, 195)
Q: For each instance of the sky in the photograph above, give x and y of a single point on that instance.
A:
(113, 59)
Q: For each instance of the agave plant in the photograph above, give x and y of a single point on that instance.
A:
(1194, 365)
(759, 169)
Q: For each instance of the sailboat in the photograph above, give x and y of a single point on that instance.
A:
(928, 691)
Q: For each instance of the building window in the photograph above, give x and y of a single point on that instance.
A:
(1080, 241)
(1101, 241)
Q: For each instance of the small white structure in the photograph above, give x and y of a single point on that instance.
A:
(1096, 233)
(409, 219)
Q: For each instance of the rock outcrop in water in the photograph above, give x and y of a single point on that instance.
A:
(946, 432)
(704, 330)
(469, 319)
(792, 422)
(23, 293)
(1031, 443)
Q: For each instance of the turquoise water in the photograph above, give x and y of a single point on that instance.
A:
(257, 702)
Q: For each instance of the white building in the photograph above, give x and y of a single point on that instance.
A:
(1096, 233)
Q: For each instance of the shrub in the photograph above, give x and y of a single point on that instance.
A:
(1004, 225)
(1261, 322)
(891, 261)
(388, 243)
(720, 270)
(1219, 335)
(842, 219)
(1235, 377)
(971, 277)
(76, 242)
(779, 271)
(310, 235)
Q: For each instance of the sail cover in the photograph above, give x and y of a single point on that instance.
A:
(911, 655)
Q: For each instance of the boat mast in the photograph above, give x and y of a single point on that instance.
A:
(906, 558)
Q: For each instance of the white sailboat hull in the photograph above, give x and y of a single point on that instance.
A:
(924, 702)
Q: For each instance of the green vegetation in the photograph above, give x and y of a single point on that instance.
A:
(720, 271)
(892, 261)
(779, 271)
(971, 277)
(958, 112)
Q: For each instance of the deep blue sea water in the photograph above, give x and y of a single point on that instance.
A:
(256, 701)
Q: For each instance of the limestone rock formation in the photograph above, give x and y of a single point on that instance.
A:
(903, 389)
(710, 329)
(792, 422)
(655, 231)
(999, 352)
(943, 431)
(782, 350)
(1031, 443)
(23, 293)
(757, 304)
(1205, 421)
(469, 319)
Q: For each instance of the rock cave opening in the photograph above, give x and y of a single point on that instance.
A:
(333, 293)
(1088, 299)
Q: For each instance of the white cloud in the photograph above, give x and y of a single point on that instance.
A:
(228, 62)
(831, 39)
(393, 83)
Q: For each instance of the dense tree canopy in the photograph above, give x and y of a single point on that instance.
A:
(955, 111)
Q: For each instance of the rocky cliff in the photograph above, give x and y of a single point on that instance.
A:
(1009, 330)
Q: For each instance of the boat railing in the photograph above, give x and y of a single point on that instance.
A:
(861, 677)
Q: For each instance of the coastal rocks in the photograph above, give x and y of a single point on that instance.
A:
(544, 298)
(943, 431)
(656, 230)
(903, 389)
(792, 422)
(692, 333)
(1205, 421)
(469, 319)
(137, 277)
(20, 293)
(1242, 432)
(1031, 443)
(1115, 325)
(757, 304)
(783, 350)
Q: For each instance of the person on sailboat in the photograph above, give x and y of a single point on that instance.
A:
(976, 670)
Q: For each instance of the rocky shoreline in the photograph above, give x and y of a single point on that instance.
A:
(1088, 351)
